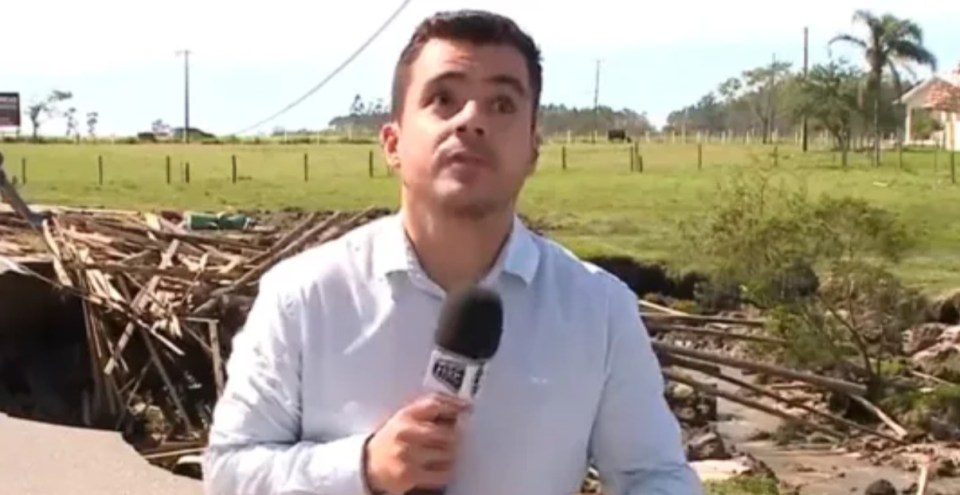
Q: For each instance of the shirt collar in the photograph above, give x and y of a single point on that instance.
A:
(392, 251)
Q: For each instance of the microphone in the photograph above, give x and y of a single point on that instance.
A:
(468, 335)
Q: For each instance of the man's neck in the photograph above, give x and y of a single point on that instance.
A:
(456, 251)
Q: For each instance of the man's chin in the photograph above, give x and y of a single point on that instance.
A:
(470, 206)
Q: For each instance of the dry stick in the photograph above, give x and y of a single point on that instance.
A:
(261, 267)
(93, 324)
(140, 302)
(327, 225)
(825, 382)
(931, 378)
(123, 286)
(200, 239)
(922, 479)
(57, 256)
(715, 333)
(115, 231)
(173, 272)
(131, 394)
(286, 239)
(704, 319)
(217, 359)
(97, 283)
(657, 307)
(98, 379)
(899, 430)
(131, 387)
(174, 453)
(203, 343)
(711, 370)
(232, 265)
(163, 375)
(99, 335)
(749, 403)
(163, 340)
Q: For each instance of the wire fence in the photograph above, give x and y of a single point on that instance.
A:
(169, 164)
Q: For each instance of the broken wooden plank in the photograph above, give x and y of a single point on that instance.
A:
(822, 381)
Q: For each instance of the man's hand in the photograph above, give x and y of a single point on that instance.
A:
(414, 449)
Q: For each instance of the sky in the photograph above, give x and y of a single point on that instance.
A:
(250, 59)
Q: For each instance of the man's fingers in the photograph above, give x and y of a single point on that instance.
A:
(432, 406)
(434, 479)
(431, 459)
(434, 468)
(429, 434)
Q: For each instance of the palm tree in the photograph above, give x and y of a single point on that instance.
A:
(891, 44)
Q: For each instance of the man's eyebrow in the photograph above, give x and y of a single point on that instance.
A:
(511, 81)
(502, 79)
(450, 75)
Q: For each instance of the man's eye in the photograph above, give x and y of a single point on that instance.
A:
(504, 104)
(440, 98)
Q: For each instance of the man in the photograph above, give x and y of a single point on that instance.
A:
(324, 393)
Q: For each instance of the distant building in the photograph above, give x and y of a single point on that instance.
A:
(195, 134)
(939, 96)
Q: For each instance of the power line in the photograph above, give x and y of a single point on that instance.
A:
(336, 71)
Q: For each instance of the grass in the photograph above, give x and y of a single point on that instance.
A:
(743, 485)
(596, 205)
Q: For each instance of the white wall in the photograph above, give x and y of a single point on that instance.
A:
(956, 132)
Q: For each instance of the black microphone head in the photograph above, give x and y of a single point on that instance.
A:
(471, 323)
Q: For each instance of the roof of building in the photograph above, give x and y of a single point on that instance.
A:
(940, 92)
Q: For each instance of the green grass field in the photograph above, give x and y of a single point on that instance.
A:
(597, 205)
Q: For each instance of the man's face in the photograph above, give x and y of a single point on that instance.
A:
(465, 141)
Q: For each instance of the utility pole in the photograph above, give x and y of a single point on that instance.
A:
(771, 100)
(186, 94)
(806, 61)
(596, 103)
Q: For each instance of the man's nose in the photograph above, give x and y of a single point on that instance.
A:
(470, 120)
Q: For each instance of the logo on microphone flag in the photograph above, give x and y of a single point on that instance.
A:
(450, 373)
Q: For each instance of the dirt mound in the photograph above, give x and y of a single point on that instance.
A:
(940, 354)
(946, 308)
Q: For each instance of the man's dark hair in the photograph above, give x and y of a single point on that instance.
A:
(473, 26)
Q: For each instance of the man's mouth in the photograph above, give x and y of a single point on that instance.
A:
(468, 158)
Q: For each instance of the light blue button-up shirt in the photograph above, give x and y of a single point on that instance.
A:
(339, 338)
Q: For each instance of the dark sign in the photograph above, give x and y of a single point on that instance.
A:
(9, 110)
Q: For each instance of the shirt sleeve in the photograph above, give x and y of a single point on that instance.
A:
(254, 446)
(636, 443)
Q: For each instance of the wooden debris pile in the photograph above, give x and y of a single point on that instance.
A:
(701, 370)
(161, 305)
(163, 302)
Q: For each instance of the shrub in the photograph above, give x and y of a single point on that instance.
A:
(818, 266)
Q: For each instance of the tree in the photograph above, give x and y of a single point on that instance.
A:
(829, 96)
(891, 44)
(759, 97)
(369, 116)
(708, 114)
(71, 116)
(762, 87)
(92, 119)
(45, 108)
(159, 128)
(357, 107)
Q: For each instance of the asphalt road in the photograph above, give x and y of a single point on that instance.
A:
(44, 459)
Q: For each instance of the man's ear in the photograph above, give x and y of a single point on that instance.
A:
(390, 142)
(535, 151)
